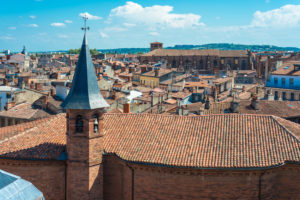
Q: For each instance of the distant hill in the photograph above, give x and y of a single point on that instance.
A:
(228, 46)
(221, 46)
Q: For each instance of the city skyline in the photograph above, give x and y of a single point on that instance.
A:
(43, 25)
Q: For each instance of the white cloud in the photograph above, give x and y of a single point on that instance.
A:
(68, 21)
(115, 29)
(154, 16)
(32, 16)
(129, 25)
(63, 36)
(42, 34)
(58, 24)
(89, 16)
(12, 28)
(154, 33)
(103, 35)
(6, 38)
(288, 15)
(33, 25)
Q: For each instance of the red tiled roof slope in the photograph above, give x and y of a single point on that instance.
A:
(40, 139)
(210, 141)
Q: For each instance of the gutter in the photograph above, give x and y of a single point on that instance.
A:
(132, 181)
(260, 185)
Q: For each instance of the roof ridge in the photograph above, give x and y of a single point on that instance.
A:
(282, 126)
(21, 128)
(198, 116)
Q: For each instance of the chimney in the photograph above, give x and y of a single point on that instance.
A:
(45, 102)
(152, 99)
(39, 86)
(126, 108)
(207, 104)
(156, 72)
(201, 110)
(254, 102)
(183, 110)
(234, 104)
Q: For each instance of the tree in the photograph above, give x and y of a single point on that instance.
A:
(77, 51)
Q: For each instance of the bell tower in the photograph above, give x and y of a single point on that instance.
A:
(85, 107)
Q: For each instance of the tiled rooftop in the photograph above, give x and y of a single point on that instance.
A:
(205, 52)
(211, 141)
(24, 111)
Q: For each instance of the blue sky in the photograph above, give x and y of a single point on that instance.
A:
(46, 25)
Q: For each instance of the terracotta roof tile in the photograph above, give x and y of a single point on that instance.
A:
(210, 141)
(205, 52)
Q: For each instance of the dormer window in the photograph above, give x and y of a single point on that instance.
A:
(96, 124)
(79, 124)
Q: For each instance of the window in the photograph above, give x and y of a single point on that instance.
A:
(275, 80)
(2, 122)
(283, 96)
(96, 124)
(292, 96)
(244, 65)
(9, 122)
(215, 63)
(276, 95)
(201, 64)
(174, 64)
(79, 124)
(291, 82)
(283, 81)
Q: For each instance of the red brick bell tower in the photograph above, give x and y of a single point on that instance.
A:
(85, 107)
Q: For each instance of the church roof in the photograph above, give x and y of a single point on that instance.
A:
(197, 52)
(209, 141)
(14, 187)
(84, 92)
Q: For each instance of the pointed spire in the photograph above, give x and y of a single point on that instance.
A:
(84, 92)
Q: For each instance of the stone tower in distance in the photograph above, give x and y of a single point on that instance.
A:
(156, 45)
(85, 108)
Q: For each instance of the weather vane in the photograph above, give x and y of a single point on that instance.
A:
(85, 28)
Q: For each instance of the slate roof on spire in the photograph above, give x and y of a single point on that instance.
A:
(84, 92)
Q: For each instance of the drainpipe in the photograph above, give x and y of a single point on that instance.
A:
(260, 185)
(132, 181)
(66, 165)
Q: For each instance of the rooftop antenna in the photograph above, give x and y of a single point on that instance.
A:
(85, 28)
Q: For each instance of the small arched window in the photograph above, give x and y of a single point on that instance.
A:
(215, 63)
(201, 64)
(79, 124)
(96, 124)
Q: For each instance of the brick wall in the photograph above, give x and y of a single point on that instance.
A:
(174, 183)
(157, 182)
(47, 176)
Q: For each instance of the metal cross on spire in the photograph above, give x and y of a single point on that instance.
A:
(85, 28)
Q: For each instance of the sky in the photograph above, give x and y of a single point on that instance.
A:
(50, 25)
